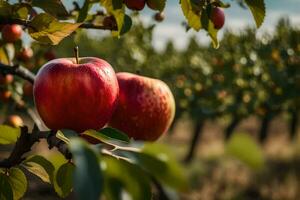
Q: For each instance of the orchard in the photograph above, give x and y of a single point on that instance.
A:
(112, 117)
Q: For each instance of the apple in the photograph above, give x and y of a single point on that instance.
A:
(135, 4)
(217, 17)
(11, 33)
(25, 54)
(28, 89)
(76, 94)
(6, 79)
(5, 95)
(146, 107)
(153, 4)
(14, 120)
(49, 55)
(159, 17)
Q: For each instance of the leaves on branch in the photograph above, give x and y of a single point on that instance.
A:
(88, 180)
(55, 7)
(258, 10)
(41, 167)
(47, 29)
(9, 135)
(63, 183)
(106, 135)
(5, 188)
(18, 182)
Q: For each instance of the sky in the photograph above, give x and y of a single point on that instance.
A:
(236, 19)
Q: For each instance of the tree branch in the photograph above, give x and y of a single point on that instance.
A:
(17, 70)
(26, 23)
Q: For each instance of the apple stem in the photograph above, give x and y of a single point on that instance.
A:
(76, 52)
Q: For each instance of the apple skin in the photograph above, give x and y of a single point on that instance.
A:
(76, 96)
(135, 4)
(218, 17)
(25, 54)
(6, 79)
(146, 107)
(11, 33)
(14, 120)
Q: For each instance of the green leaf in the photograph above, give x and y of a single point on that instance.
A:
(159, 160)
(258, 10)
(55, 7)
(83, 13)
(64, 179)
(127, 25)
(87, 174)
(119, 14)
(3, 56)
(62, 137)
(41, 167)
(21, 10)
(6, 192)
(158, 4)
(5, 9)
(9, 135)
(106, 135)
(122, 174)
(192, 18)
(18, 182)
(244, 148)
(117, 4)
(48, 30)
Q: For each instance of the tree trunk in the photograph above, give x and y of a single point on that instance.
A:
(263, 133)
(194, 142)
(229, 130)
(293, 124)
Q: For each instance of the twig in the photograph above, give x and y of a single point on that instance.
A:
(17, 70)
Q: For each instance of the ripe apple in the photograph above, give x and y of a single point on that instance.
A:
(5, 95)
(217, 17)
(76, 94)
(11, 33)
(135, 4)
(14, 120)
(28, 89)
(25, 54)
(6, 79)
(159, 17)
(146, 107)
(153, 4)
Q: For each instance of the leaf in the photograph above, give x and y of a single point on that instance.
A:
(244, 148)
(106, 135)
(83, 13)
(119, 14)
(258, 10)
(192, 18)
(40, 167)
(47, 29)
(55, 7)
(159, 160)
(157, 4)
(18, 182)
(127, 25)
(6, 192)
(5, 9)
(9, 135)
(64, 179)
(87, 180)
(21, 10)
(62, 137)
(120, 174)
(3, 57)
(209, 27)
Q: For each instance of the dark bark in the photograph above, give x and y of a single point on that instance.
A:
(264, 129)
(293, 124)
(229, 130)
(18, 71)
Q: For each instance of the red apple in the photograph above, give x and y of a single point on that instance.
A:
(146, 107)
(28, 89)
(76, 96)
(159, 17)
(14, 120)
(11, 33)
(6, 79)
(135, 4)
(25, 54)
(5, 95)
(153, 4)
(217, 17)
(49, 55)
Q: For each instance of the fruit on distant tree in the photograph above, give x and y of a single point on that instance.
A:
(28, 89)
(6, 79)
(159, 17)
(14, 120)
(25, 54)
(146, 107)
(11, 33)
(135, 4)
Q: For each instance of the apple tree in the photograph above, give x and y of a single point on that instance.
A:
(97, 161)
